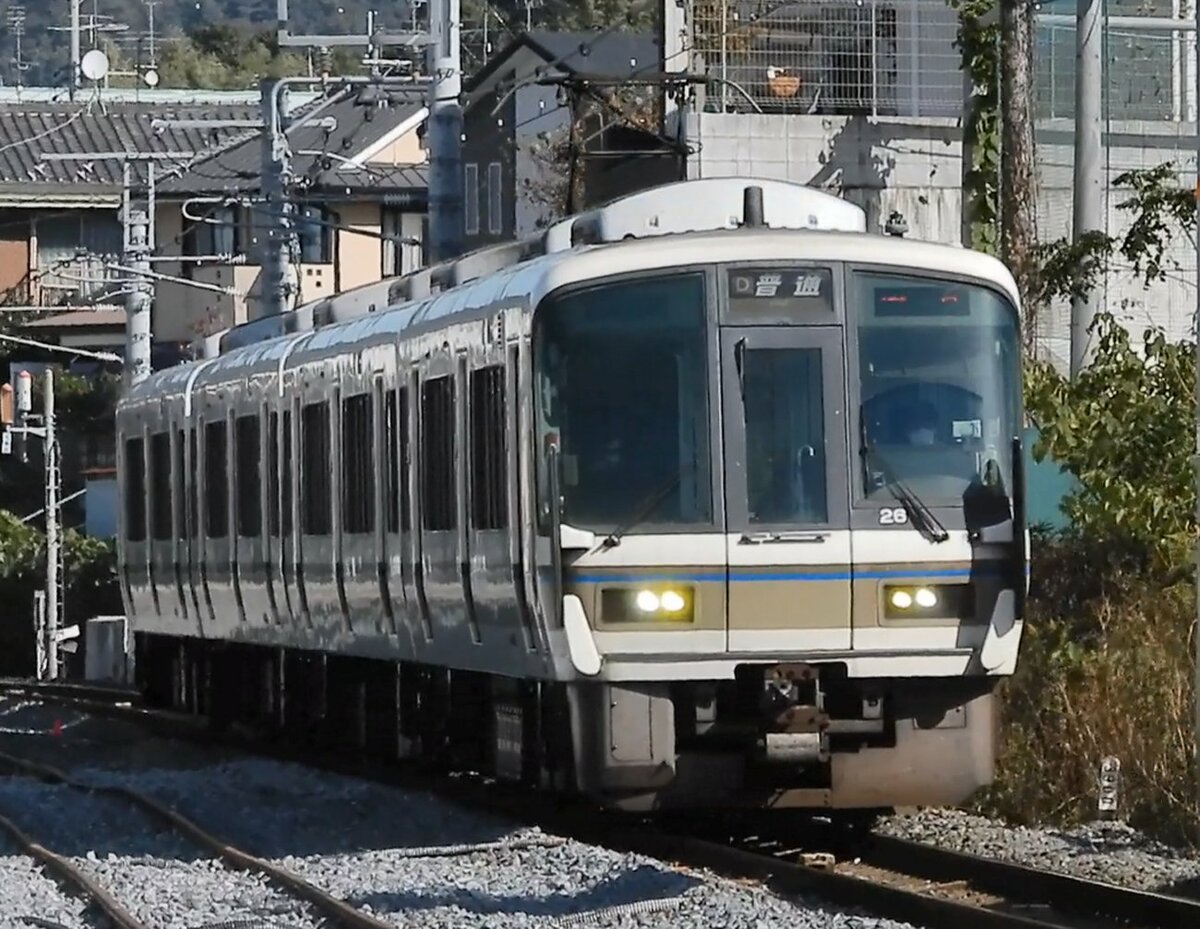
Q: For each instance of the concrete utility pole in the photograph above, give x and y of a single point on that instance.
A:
(1089, 199)
(277, 285)
(1196, 335)
(53, 549)
(445, 130)
(73, 80)
(140, 297)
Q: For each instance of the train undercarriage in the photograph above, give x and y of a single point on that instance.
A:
(798, 736)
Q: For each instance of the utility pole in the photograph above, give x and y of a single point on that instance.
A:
(277, 285)
(445, 130)
(1196, 336)
(1089, 199)
(53, 549)
(139, 299)
(1018, 191)
(73, 79)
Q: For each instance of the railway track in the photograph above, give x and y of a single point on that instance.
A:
(885, 876)
(335, 911)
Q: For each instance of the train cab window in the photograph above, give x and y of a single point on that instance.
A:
(938, 362)
(193, 479)
(160, 481)
(622, 389)
(489, 490)
(135, 491)
(358, 464)
(247, 455)
(216, 481)
(315, 455)
(395, 426)
(784, 408)
(437, 454)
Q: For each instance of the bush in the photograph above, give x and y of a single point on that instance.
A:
(1105, 670)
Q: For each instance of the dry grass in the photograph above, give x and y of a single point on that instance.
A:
(1109, 675)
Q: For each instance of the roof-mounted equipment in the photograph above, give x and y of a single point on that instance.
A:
(705, 205)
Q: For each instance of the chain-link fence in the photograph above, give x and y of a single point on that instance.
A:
(843, 57)
(1147, 108)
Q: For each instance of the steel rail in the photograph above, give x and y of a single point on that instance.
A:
(691, 847)
(341, 912)
(1016, 881)
(62, 868)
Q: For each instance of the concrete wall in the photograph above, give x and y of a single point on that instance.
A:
(914, 165)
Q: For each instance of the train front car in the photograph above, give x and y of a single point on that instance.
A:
(793, 546)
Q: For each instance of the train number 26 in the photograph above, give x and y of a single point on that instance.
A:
(893, 516)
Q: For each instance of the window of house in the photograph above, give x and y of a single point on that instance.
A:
(397, 255)
(216, 481)
(358, 464)
(315, 454)
(247, 455)
(471, 199)
(489, 487)
(160, 478)
(437, 454)
(495, 188)
(215, 234)
(315, 235)
(135, 491)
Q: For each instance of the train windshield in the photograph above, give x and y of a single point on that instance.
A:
(938, 362)
(622, 376)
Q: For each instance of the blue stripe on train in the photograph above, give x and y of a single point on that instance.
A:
(741, 575)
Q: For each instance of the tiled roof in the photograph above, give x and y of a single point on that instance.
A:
(615, 54)
(30, 130)
(319, 154)
(80, 319)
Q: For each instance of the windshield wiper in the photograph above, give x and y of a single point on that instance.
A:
(651, 502)
(922, 517)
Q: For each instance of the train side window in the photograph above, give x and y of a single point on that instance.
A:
(135, 491)
(437, 454)
(489, 479)
(285, 480)
(216, 481)
(193, 476)
(395, 459)
(316, 453)
(185, 484)
(247, 455)
(273, 503)
(358, 464)
(160, 492)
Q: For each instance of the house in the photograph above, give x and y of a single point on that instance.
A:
(516, 126)
(359, 187)
(61, 178)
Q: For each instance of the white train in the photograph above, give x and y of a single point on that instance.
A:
(707, 497)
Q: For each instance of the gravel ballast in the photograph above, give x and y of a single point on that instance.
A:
(150, 870)
(1104, 851)
(379, 849)
(25, 891)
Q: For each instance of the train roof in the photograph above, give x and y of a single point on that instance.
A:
(603, 243)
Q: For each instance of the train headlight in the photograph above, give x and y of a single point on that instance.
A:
(930, 601)
(657, 604)
(672, 601)
(647, 601)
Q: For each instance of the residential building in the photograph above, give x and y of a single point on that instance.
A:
(516, 125)
(359, 163)
(60, 194)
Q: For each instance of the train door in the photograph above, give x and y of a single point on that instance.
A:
(786, 502)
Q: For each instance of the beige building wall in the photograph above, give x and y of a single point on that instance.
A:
(359, 257)
(406, 150)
